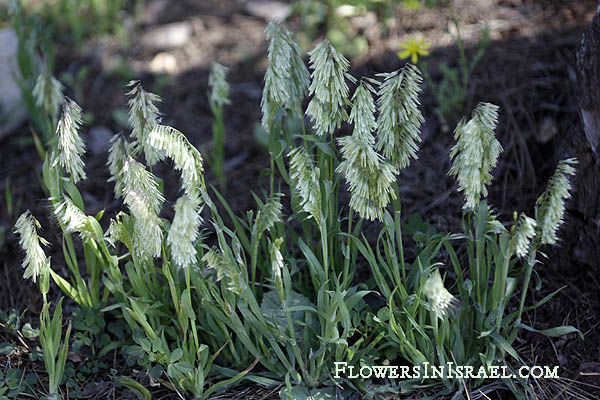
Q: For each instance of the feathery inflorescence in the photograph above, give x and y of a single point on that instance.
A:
(70, 144)
(368, 175)
(147, 230)
(219, 88)
(522, 234)
(183, 232)
(143, 118)
(186, 157)
(328, 88)
(48, 93)
(225, 269)
(550, 208)
(35, 258)
(72, 219)
(399, 118)
(306, 177)
(286, 78)
(475, 153)
(269, 214)
(142, 196)
(438, 296)
(277, 267)
(119, 152)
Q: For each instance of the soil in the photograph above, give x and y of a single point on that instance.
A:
(528, 70)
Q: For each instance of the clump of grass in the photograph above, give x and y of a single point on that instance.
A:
(273, 298)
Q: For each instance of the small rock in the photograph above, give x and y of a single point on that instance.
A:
(163, 63)
(547, 130)
(168, 36)
(269, 10)
(12, 110)
(99, 140)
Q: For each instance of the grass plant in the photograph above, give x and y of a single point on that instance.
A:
(274, 298)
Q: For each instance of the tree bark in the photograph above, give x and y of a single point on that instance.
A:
(581, 236)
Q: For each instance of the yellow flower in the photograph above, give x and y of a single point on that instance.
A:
(414, 48)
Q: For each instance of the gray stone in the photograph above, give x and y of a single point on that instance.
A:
(12, 110)
(168, 36)
(269, 10)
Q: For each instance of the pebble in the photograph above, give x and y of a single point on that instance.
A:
(269, 10)
(12, 110)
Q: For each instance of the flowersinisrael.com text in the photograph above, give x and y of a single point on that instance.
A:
(446, 371)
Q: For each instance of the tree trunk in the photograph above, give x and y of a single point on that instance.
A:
(581, 236)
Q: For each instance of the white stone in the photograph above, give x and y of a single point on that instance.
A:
(12, 110)
(168, 36)
(269, 10)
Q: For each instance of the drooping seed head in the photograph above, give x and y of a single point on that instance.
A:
(522, 234)
(399, 118)
(219, 87)
(119, 153)
(475, 153)
(306, 178)
(70, 145)
(143, 118)
(277, 267)
(187, 158)
(225, 268)
(72, 219)
(269, 214)
(184, 231)
(147, 228)
(142, 196)
(286, 78)
(550, 208)
(48, 93)
(369, 177)
(29, 240)
(438, 296)
(328, 88)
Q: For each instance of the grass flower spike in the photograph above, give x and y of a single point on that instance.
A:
(399, 116)
(219, 88)
(438, 296)
(269, 214)
(369, 176)
(184, 232)
(146, 224)
(328, 88)
(413, 48)
(143, 117)
(142, 196)
(70, 144)
(475, 153)
(225, 268)
(306, 177)
(551, 204)
(48, 93)
(73, 219)
(277, 268)
(286, 78)
(118, 155)
(186, 157)
(522, 234)
(35, 258)
(135, 177)
(144, 200)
